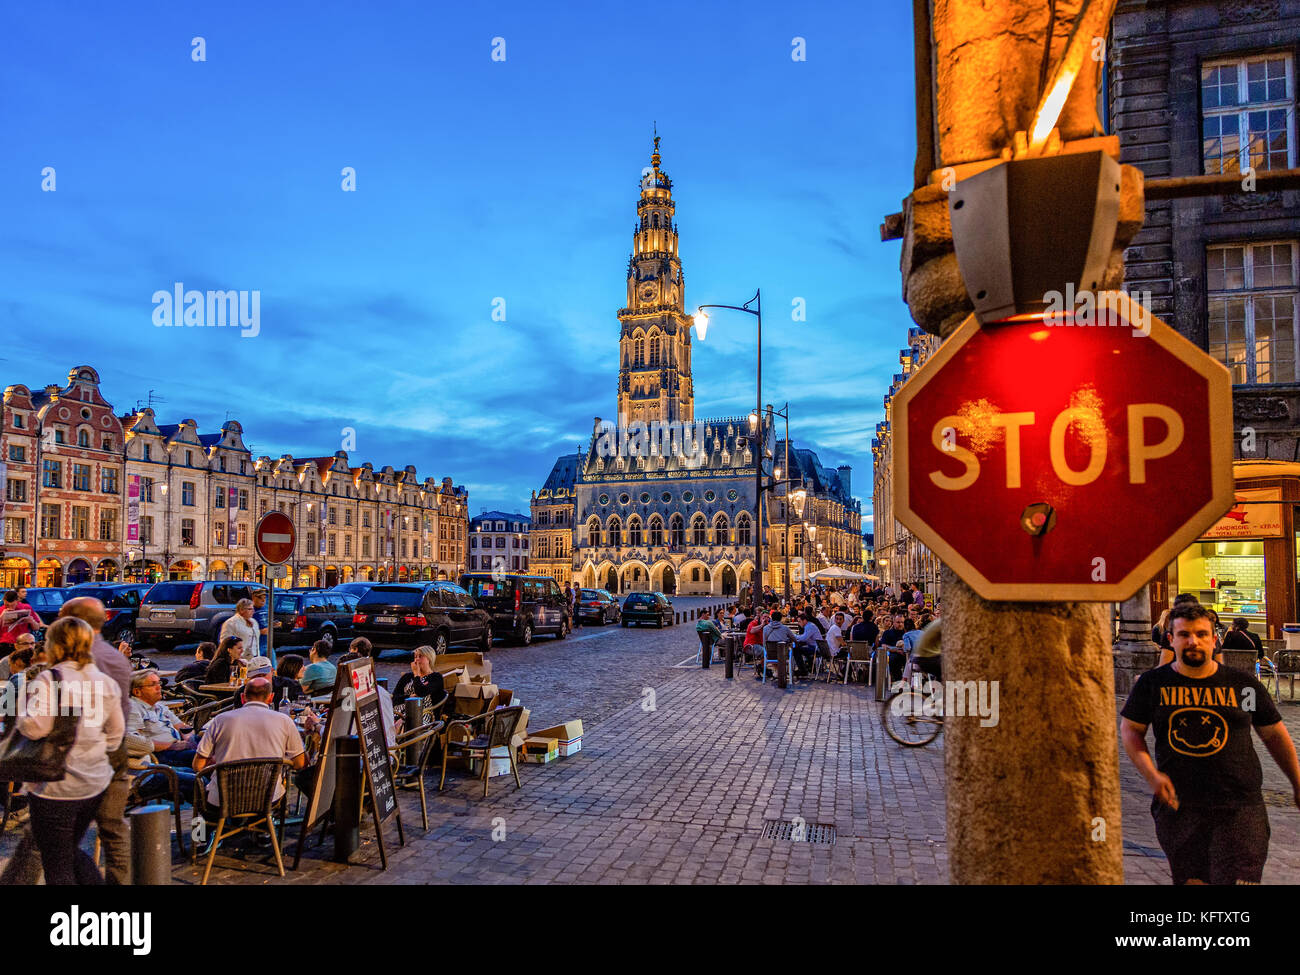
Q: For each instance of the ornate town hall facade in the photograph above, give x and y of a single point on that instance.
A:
(661, 500)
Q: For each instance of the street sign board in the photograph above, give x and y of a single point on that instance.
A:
(1053, 460)
(274, 538)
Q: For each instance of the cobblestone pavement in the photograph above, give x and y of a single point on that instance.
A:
(678, 787)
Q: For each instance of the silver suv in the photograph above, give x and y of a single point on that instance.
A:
(188, 612)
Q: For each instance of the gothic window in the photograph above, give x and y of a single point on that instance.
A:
(654, 350)
(720, 526)
(593, 531)
(699, 531)
(656, 531)
(742, 530)
(615, 532)
(676, 532)
(634, 531)
(639, 355)
(654, 221)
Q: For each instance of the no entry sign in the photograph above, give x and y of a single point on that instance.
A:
(274, 538)
(1050, 460)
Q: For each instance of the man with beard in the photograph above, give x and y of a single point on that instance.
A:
(1206, 779)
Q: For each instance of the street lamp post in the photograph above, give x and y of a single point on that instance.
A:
(701, 324)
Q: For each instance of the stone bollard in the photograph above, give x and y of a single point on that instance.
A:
(151, 845)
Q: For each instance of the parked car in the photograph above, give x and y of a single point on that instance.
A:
(409, 615)
(302, 618)
(357, 589)
(521, 605)
(598, 606)
(648, 607)
(46, 602)
(188, 612)
(121, 605)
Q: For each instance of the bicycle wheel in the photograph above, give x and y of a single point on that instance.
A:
(909, 718)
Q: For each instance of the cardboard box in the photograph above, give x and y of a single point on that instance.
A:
(471, 666)
(504, 697)
(473, 699)
(498, 763)
(539, 751)
(520, 734)
(568, 735)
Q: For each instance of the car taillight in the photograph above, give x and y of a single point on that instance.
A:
(194, 596)
(300, 621)
(110, 613)
(517, 600)
(358, 619)
(416, 620)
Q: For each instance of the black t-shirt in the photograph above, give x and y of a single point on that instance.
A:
(1242, 640)
(891, 637)
(1202, 731)
(864, 631)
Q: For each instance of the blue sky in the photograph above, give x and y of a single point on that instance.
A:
(475, 179)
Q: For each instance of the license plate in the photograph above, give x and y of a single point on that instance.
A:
(385, 619)
(163, 614)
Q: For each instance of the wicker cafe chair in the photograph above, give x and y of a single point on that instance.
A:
(198, 716)
(481, 735)
(418, 742)
(246, 794)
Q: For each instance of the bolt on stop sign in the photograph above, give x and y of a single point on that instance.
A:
(1051, 460)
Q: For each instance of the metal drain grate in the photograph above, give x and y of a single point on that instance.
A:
(799, 832)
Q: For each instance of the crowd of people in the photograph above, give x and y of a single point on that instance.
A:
(123, 729)
(822, 620)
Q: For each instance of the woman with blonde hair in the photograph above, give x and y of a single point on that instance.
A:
(62, 811)
(423, 682)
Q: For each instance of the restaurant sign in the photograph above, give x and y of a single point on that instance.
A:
(1257, 514)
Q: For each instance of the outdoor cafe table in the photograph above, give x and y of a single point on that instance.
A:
(227, 688)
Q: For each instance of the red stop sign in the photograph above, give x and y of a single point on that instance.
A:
(274, 538)
(1053, 460)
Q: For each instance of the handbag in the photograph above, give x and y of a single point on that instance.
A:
(24, 759)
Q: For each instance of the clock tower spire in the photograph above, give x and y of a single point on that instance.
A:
(654, 379)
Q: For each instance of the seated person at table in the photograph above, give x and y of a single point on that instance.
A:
(805, 645)
(228, 654)
(775, 632)
(290, 669)
(320, 673)
(21, 657)
(865, 630)
(754, 634)
(198, 669)
(835, 649)
(423, 682)
(282, 687)
(251, 731)
(155, 735)
(890, 640)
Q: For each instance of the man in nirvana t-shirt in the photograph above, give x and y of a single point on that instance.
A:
(1206, 779)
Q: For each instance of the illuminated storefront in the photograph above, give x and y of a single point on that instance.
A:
(1246, 564)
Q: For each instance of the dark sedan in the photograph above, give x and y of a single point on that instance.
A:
(121, 604)
(648, 607)
(597, 606)
(46, 602)
(302, 618)
(409, 615)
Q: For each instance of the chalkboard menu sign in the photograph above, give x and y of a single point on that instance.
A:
(355, 693)
(374, 746)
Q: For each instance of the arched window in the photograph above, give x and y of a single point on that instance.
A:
(720, 526)
(638, 356)
(654, 349)
(654, 221)
(615, 530)
(83, 438)
(656, 530)
(634, 531)
(742, 530)
(593, 531)
(699, 531)
(677, 532)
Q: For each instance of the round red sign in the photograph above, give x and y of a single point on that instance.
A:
(274, 538)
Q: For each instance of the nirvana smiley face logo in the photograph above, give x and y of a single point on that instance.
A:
(1197, 731)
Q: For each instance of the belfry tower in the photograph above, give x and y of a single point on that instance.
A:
(654, 379)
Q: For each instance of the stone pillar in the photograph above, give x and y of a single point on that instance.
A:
(1033, 798)
(1134, 652)
(1024, 795)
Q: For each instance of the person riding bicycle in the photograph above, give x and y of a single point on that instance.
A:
(925, 649)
